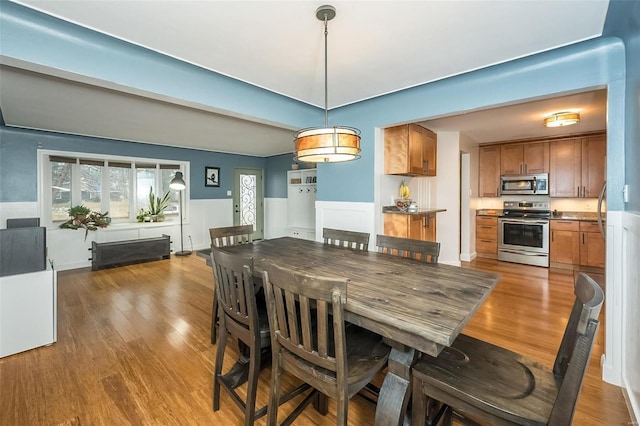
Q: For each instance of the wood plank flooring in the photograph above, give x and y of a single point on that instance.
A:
(133, 348)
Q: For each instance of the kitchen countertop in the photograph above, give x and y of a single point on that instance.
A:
(489, 212)
(395, 210)
(584, 216)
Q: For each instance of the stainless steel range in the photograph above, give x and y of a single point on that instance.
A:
(523, 233)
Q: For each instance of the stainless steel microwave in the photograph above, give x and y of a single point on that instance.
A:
(525, 184)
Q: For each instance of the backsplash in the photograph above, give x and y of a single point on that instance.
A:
(560, 204)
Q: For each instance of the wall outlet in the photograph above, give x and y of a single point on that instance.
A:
(228, 193)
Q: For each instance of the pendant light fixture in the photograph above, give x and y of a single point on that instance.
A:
(327, 144)
(559, 119)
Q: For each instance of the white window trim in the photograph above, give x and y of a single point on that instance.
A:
(44, 194)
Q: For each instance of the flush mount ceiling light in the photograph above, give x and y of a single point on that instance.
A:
(559, 119)
(327, 144)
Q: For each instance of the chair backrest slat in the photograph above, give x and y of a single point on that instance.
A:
(427, 251)
(235, 288)
(231, 235)
(348, 239)
(293, 300)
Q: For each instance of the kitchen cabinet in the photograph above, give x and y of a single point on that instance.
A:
(413, 226)
(592, 245)
(489, 179)
(575, 244)
(301, 204)
(564, 247)
(594, 161)
(410, 150)
(487, 237)
(577, 167)
(524, 158)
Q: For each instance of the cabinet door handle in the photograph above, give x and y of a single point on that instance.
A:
(553, 234)
(584, 191)
(578, 191)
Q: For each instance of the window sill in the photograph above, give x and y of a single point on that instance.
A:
(130, 225)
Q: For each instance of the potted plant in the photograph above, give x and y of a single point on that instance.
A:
(82, 217)
(157, 205)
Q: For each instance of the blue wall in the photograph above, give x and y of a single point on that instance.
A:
(623, 20)
(18, 159)
(592, 64)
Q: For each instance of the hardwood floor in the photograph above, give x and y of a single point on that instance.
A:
(133, 348)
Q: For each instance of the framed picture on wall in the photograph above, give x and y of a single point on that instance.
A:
(212, 176)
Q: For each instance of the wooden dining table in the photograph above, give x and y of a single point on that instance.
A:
(418, 307)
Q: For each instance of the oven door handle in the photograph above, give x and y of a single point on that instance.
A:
(524, 253)
(525, 222)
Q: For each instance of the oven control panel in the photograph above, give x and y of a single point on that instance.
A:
(527, 205)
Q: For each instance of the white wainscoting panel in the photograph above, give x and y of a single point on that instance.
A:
(612, 365)
(631, 313)
(349, 216)
(275, 218)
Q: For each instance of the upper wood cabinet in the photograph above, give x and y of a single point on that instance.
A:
(565, 168)
(410, 150)
(524, 158)
(489, 171)
(577, 167)
(594, 165)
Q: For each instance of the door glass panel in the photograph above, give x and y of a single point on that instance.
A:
(248, 200)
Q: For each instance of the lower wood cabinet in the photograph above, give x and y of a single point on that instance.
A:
(592, 245)
(564, 245)
(576, 243)
(413, 226)
(487, 237)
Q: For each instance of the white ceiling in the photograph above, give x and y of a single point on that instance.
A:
(375, 47)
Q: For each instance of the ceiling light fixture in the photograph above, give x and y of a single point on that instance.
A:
(559, 119)
(327, 144)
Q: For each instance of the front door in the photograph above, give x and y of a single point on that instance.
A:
(248, 200)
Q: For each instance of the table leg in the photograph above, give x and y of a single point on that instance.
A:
(395, 392)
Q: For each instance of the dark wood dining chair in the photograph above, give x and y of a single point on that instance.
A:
(427, 251)
(310, 341)
(240, 318)
(223, 237)
(350, 239)
(487, 382)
